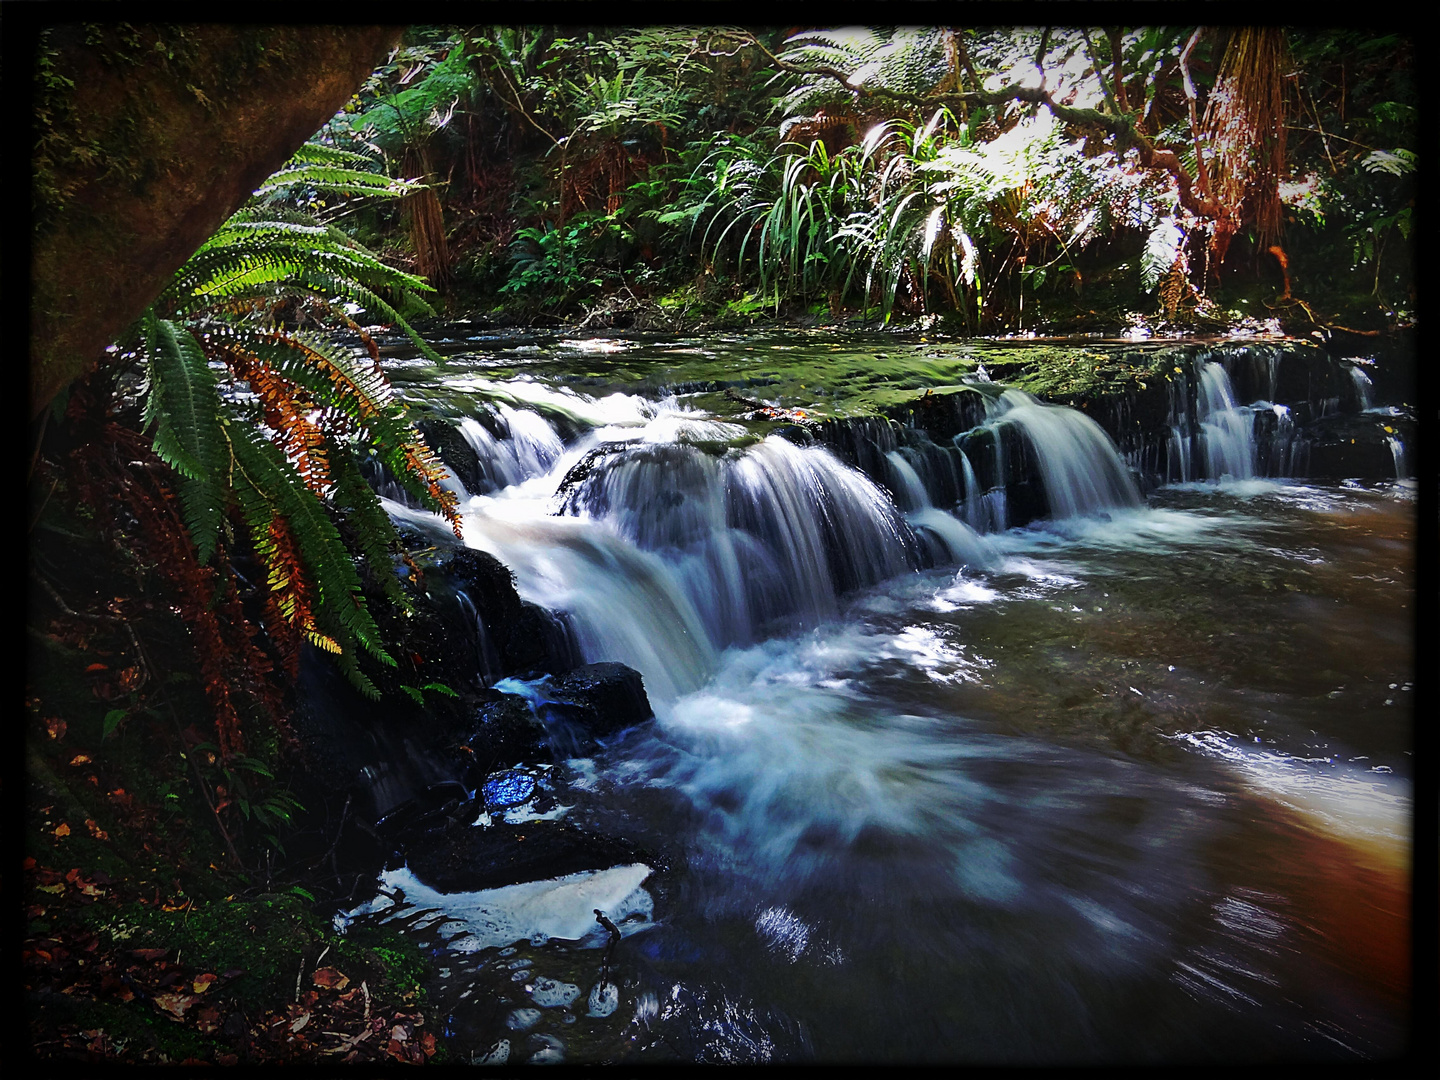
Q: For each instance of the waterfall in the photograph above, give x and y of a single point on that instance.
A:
(776, 532)
(1397, 451)
(957, 540)
(1281, 441)
(664, 548)
(1226, 431)
(487, 659)
(984, 511)
(1364, 388)
(626, 604)
(907, 481)
(529, 446)
(1079, 466)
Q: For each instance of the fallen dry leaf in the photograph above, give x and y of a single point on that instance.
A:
(202, 982)
(52, 888)
(300, 1022)
(148, 954)
(95, 830)
(80, 759)
(208, 1019)
(62, 830)
(330, 979)
(175, 1004)
(56, 727)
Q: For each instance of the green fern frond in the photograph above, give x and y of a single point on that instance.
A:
(334, 180)
(266, 486)
(374, 533)
(316, 153)
(184, 406)
(327, 403)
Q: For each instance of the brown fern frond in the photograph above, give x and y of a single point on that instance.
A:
(424, 463)
(291, 601)
(287, 410)
(370, 399)
(119, 473)
(1244, 124)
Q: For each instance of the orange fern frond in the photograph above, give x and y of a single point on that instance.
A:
(424, 464)
(287, 409)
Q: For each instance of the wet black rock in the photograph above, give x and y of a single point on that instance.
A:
(795, 434)
(942, 416)
(1358, 447)
(506, 732)
(467, 859)
(455, 451)
(594, 702)
(505, 635)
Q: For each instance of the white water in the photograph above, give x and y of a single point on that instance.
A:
(959, 541)
(560, 907)
(1081, 470)
(812, 685)
(1226, 430)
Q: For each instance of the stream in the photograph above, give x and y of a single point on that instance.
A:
(1127, 781)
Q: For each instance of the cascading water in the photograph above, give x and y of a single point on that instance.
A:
(528, 447)
(752, 539)
(1078, 463)
(1215, 438)
(683, 552)
(906, 776)
(955, 540)
(1364, 387)
(1227, 432)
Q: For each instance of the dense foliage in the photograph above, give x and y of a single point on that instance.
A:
(1163, 174)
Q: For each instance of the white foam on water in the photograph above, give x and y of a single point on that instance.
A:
(784, 740)
(562, 907)
(604, 999)
(552, 993)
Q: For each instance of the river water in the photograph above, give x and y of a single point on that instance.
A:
(1131, 783)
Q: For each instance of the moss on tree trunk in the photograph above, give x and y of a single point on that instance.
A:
(148, 138)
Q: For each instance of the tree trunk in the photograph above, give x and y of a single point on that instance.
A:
(147, 138)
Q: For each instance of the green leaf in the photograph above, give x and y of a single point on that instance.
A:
(111, 722)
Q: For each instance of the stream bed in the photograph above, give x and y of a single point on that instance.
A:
(1127, 784)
